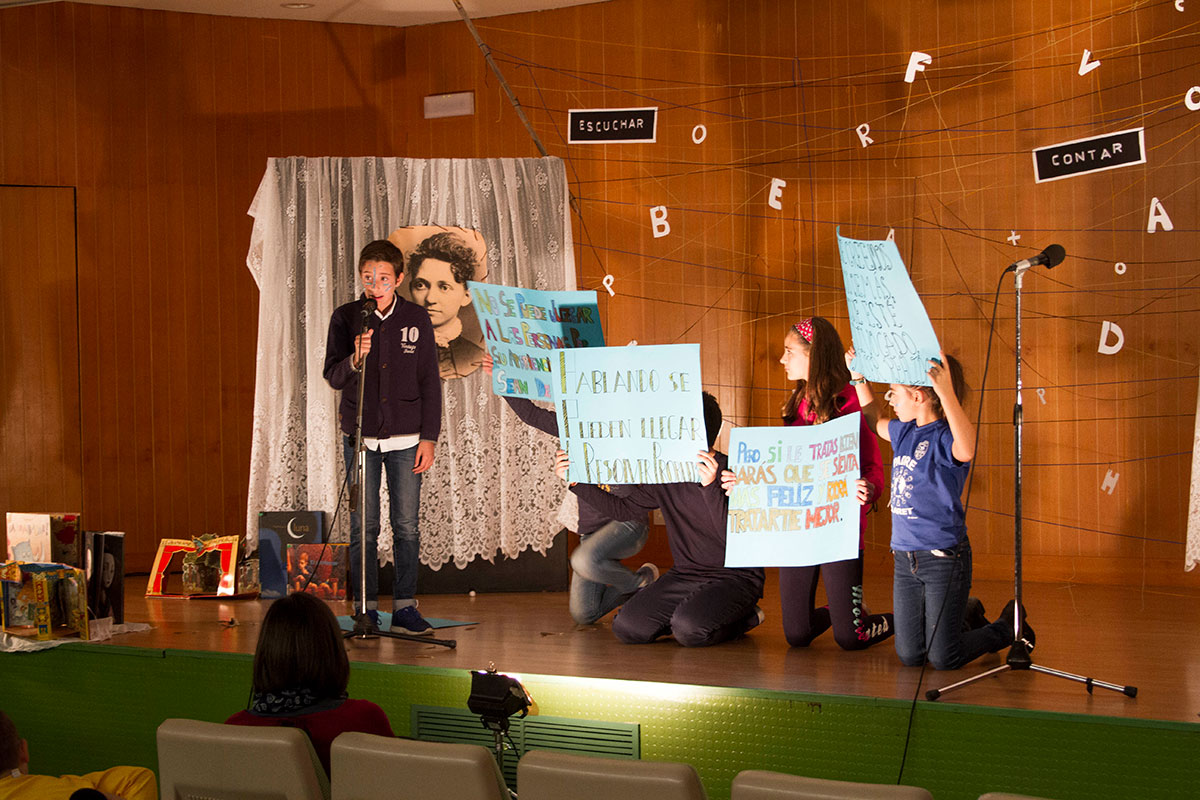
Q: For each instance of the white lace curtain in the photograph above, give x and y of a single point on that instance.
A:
(490, 490)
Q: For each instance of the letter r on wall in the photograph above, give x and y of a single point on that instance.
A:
(862, 131)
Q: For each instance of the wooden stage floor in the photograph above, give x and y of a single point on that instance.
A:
(1123, 635)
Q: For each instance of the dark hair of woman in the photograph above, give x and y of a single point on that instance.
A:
(301, 646)
(827, 372)
(446, 247)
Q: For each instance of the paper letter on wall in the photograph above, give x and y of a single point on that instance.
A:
(1106, 348)
(1086, 66)
(862, 131)
(776, 193)
(1158, 216)
(916, 63)
(658, 218)
(1192, 99)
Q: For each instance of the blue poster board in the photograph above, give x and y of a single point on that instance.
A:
(523, 327)
(893, 338)
(630, 414)
(794, 503)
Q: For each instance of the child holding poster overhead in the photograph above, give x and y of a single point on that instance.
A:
(933, 442)
(813, 358)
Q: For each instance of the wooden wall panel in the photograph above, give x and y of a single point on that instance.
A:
(164, 123)
(39, 356)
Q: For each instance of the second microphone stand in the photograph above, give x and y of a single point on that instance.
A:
(1018, 655)
(364, 625)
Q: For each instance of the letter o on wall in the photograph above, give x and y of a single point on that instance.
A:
(1192, 99)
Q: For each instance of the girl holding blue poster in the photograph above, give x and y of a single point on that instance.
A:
(813, 358)
(933, 442)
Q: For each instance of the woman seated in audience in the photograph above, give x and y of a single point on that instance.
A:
(300, 676)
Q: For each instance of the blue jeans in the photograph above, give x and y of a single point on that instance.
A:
(929, 583)
(404, 493)
(600, 581)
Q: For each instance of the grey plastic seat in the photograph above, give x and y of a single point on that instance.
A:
(366, 767)
(212, 761)
(545, 775)
(757, 784)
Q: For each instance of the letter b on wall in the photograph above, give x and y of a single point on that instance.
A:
(658, 219)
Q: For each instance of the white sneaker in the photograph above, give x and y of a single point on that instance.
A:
(755, 619)
(648, 573)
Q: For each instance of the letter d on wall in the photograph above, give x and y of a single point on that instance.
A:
(1106, 348)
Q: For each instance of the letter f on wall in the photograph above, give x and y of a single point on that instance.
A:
(916, 63)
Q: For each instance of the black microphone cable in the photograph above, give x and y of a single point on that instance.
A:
(966, 507)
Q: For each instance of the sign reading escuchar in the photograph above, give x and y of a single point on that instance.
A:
(630, 414)
(611, 125)
(794, 504)
(1112, 150)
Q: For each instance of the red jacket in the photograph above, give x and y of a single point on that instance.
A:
(324, 726)
(869, 460)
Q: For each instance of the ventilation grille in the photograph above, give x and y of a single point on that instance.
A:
(458, 725)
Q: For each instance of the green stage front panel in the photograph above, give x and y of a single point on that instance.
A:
(84, 708)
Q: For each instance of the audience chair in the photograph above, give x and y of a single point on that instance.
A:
(366, 767)
(754, 784)
(211, 761)
(545, 775)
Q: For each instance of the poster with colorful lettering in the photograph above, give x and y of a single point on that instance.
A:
(523, 327)
(794, 503)
(630, 414)
(893, 338)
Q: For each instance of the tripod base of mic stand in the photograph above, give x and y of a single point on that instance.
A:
(365, 628)
(1018, 659)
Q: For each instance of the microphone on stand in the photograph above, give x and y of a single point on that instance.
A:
(1051, 257)
(368, 308)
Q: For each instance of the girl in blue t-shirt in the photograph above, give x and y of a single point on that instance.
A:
(933, 443)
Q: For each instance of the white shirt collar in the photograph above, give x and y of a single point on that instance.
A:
(391, 308)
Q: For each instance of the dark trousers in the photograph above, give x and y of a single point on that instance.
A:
(698, 610)
(803, 622)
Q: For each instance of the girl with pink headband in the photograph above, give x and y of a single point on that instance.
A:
(813, 358)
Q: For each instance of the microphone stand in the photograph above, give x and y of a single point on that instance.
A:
(1018, 655)
(364, 626)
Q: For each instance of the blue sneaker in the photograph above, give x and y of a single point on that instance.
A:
(372, 615)
(409, 620)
